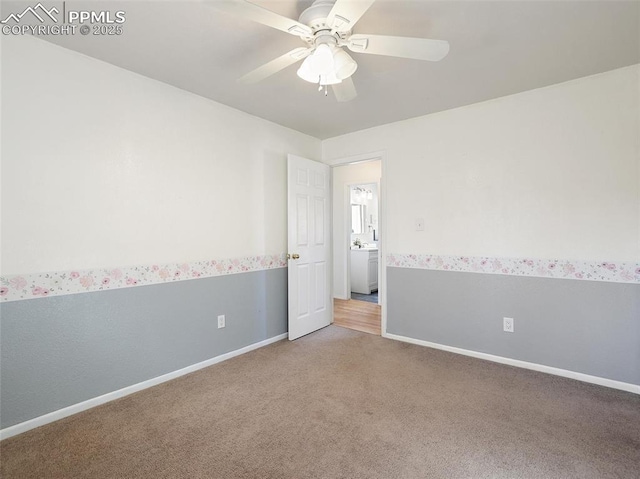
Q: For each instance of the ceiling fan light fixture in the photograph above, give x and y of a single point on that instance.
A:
(320, 67)
(344, 65)
(307, 72)
(323, 61)
(330, 79)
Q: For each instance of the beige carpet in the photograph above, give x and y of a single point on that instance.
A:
(344, 404)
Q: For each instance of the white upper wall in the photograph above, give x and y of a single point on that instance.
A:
(102, 167)
(549, 173)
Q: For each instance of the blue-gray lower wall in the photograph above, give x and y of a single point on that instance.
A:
(63, 350)
(589, 327)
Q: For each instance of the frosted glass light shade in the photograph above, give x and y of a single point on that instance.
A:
(319, 67)
(330, 79)
(323, 59)
(344, 65)
(307, 72)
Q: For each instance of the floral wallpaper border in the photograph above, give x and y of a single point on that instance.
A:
(617, 272)
(19, 287)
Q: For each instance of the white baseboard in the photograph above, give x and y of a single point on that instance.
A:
(88, 404)
(632, 388)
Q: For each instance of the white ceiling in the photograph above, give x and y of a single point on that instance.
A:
(497, 48)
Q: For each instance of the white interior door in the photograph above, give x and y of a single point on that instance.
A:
(308, 242)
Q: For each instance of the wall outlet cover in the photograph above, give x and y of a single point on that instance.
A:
(507, 325)
(221, 321)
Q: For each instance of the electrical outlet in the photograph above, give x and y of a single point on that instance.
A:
(419, 224)
(221, 321)
(507, 324)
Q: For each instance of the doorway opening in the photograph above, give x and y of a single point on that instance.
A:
(358, 272)
(363, 261)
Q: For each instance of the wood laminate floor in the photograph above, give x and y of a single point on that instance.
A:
(358, 315)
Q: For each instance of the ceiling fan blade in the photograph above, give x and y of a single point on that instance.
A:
(274, 66)
(261, 15)
(405, 47)
(345, 13)
(345, 90)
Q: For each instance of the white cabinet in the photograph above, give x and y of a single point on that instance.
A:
(364, 270)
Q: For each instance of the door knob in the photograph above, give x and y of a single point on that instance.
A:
(295, 256)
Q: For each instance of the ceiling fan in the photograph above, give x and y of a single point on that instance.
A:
(326, 28)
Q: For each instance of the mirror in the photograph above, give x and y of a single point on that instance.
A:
(358, 215)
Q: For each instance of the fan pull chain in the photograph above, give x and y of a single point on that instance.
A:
(319, 82)
(320, 86)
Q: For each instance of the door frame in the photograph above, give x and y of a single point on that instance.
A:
(382, 215)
